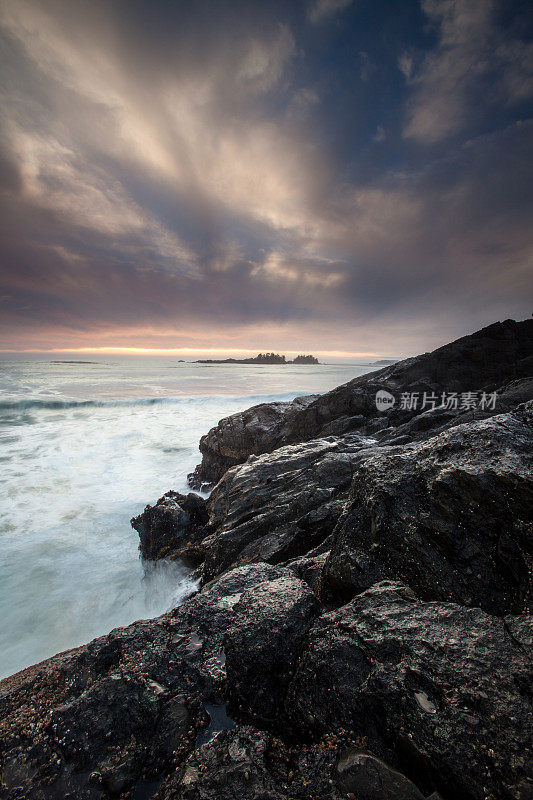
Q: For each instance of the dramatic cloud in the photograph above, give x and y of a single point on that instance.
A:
(476, 66)
(214, 174)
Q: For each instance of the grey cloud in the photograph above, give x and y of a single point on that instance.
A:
(474, 66)
(320, 9)
(160, 185)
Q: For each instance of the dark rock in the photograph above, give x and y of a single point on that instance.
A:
(210, 612)
(369, 778)
(310, 567)
(429, 423)
(97, 720)
(264, 642)
(452, 517)
(333, 497)
(435, 689)
(257, 430)
(486, 360)
(279, 506)
(124, 706)
(230, 766)
(252, 764)
(173, 528)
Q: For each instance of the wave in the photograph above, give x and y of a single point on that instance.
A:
(23, 405)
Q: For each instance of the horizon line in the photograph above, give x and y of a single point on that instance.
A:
(118, 350)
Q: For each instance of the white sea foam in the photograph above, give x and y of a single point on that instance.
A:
(83, 448)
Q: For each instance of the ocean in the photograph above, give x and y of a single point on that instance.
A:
(84, 446)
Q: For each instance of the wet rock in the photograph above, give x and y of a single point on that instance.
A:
(369, 778)
(325, 496)
(433, 421)
(310, 567)
(451, 516)
(264, 642)
(423, 686)
(173, 528)
(488, 359)
(278, 506)
(103, 720)
(212, 610)
(252, 764)
(231, 765)
(257, 430)
(100, 719)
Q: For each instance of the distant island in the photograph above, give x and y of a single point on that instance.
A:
(262, 358)
(385, 362)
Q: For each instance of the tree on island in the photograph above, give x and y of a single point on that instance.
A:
(270, 358)
(305, 360)
(261, 358)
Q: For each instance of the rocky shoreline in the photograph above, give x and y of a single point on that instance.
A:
(362, 625)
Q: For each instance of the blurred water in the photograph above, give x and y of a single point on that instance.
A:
(83, 448)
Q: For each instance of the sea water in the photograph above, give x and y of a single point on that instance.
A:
(84, 446)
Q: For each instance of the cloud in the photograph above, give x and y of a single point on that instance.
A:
(281, 268)
(320, 9)
(475, 65)
(179, 177)
(367, 66)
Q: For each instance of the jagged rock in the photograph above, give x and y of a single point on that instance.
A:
(232, 765)
(433, 421)
(487, 359)
(257, 430)
(440, 691)
(369, 778)
(264, 642)
(210, 612)
(484, 360)
(173, 528)
(310, 567)
(251, 764)
(280, 505)
(82, 726)
(452, 517)
(436, 689)
(93, 720)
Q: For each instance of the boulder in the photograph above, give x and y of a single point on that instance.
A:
(124, 710)
(173, 528)
(451, 516)
(369, 778)
(440, 691)
(234, 764)
(257, 430)
(264, 642)
(278, 506)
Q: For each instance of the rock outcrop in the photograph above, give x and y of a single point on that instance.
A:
(489, 360)
(257, 430)
(264, 642)
(173, 528)
(451, 516)
(362, 629)
(279, 506)
(441, 690)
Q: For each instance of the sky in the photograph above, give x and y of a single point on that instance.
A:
(317, 176)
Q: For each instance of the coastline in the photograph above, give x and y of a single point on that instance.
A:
(347, 633)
